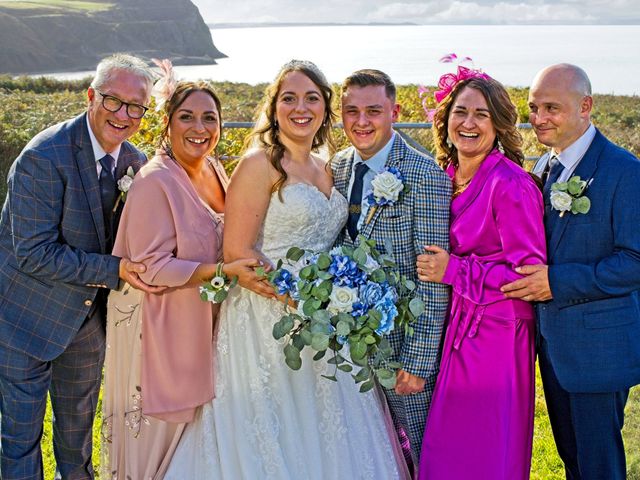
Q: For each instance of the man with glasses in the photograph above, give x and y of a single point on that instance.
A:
(56, 233)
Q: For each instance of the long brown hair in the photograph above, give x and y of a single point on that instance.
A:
(504, 118)
(266, 129)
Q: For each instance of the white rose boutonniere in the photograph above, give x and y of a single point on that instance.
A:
(570, 196)
(124, 184)
(387, 187)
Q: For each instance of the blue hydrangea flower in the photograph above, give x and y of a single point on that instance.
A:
(284, 282)
(389, 312)
(371, 293)
(346, 272)
(390, 293)
(359, 308)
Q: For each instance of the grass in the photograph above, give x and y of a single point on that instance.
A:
(545, 465)
(54, 5)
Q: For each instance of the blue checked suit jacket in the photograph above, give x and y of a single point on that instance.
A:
(592, 325)
(420, 217)
(53, 256)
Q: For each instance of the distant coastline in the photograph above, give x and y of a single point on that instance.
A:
(306, 24)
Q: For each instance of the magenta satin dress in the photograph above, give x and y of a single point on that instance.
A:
(480, 424)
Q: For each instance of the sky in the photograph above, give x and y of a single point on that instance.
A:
(423, 11)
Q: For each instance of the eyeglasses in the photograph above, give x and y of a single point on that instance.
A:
(113, 104)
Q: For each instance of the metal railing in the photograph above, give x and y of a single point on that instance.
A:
(398, 126)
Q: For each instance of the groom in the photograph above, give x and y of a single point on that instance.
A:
(420, 217)
(589, 293)
(56, 232)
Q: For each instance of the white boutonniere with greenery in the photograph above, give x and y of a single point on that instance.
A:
(387, 187)
(124, 184)
(570, 196)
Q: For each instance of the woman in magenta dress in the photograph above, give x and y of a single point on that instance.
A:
(480, 425)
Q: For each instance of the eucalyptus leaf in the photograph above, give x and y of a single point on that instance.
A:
(330, 377)
(295, 253)
(369, 339)
(379, 276)
(306, 273)
(581, 205)
(319, 341)
(277, 331)
(293, 364)
(297, 342)
(324, 261)
(416, 306)
(343, 328)
(305, 336)
(319, 355)
(358, 350)
(360, 256)
(220, 296)
(291, 352)
(366, 386)
(387, 382)
(345, 367)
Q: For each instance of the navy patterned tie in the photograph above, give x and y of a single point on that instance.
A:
(355, 200)
(555, 170)
(108, 193)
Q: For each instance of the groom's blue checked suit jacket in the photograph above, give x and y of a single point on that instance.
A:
(419, 218)
(52, 240)
(592, 325)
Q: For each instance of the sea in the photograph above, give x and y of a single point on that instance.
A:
(410, 54)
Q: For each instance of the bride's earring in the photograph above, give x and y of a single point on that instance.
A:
(275, 124)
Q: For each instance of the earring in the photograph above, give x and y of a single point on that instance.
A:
(275, 124)
(499, 145)
(449, 143)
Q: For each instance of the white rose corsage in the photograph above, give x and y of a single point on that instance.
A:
(570, 196)
(217, 289)
(387, 187)
(124, 184)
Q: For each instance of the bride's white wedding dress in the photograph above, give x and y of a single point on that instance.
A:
(268, 421)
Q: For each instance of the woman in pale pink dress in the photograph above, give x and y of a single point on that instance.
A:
(480, 425)
(159, 360)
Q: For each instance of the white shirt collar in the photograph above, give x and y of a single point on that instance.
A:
(377, 161)
(571, 156)
(98, 151)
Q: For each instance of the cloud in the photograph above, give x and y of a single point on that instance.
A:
(461, 12)
(421, 11)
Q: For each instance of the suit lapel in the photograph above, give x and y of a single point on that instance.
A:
(586, 170)
(86, 163)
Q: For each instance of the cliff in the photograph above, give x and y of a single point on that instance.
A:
(40, 37)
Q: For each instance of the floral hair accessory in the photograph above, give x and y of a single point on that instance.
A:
(450, 80)
(166, 85)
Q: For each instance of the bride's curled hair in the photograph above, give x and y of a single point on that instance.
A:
(266, 134)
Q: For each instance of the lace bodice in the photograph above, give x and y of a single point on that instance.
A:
(304, 218)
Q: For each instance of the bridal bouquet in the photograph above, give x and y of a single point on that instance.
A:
(348, 299)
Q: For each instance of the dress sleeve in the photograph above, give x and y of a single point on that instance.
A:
(518, 214)
(149, 227)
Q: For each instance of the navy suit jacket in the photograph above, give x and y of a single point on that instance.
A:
(53, 257)
(592, 325)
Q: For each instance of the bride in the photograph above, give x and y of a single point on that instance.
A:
(268, 421)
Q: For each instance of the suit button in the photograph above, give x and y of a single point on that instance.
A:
(88, 303)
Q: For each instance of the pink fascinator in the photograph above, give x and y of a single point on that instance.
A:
(450, 80)
(166, 84)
